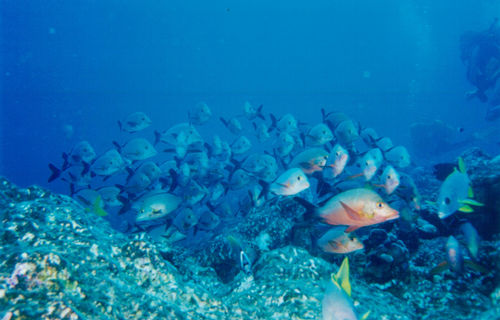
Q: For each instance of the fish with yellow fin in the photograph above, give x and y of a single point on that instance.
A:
(355, 208)
(337, 302)
(455, 193)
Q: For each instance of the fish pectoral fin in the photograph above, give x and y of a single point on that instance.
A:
(353, 214)
(474, 266)
(471, 202)
(352, 228)
(439, 268)
(466, 208)
(306, 165)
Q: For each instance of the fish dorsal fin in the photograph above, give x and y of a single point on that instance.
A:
(461, 165)
(342, 276)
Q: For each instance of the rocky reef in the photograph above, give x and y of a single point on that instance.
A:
(59, 261)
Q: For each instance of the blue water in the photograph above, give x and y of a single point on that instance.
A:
(87, 64)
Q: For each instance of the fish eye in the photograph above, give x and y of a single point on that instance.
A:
(447, 200)
(337, 153)
(388, 176)
(380, 205)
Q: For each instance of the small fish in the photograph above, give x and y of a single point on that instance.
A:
(181, 136)
(155, 205)
(193, 193)
(233, 125)
(333, 119)
(337, 160)
(454, 194)
(137, 149)
(138, 182)
(471, 239)
(384, 144)
(290, 183)
(336, 240)
(185, 220)
(251, 113)
(390, 179)
(310, 160)
(262, 132)
(355, 208)
(455, 260)
(86, 196)
(287, 123)
(108, 164)
(241, 145)
(398, 156)
(81, 153)
(370, 163)
(285, 143)
(319, 135)
(135, 122)
(240, 179)
(346, 132)
(216, 193)
(208, 221)
(199, 114)
(369, 136)
(408, 191)
(150, 169)
(109, 196)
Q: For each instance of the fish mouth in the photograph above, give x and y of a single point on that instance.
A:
(394, 215)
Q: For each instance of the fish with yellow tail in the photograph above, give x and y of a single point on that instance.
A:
(455, 193)
(354, 208)
(337, 302)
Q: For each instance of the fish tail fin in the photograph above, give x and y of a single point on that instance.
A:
(117, 145)
(311, 209)
(157, 137)
(66, 161)
(265, 189)
(259, 112)
(224, 121)
(98, 208)
(274, 122)
(55, 173)
(175, 180)
(342, 276)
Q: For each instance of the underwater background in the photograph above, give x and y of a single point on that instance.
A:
(75, 71)
(87, 64)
